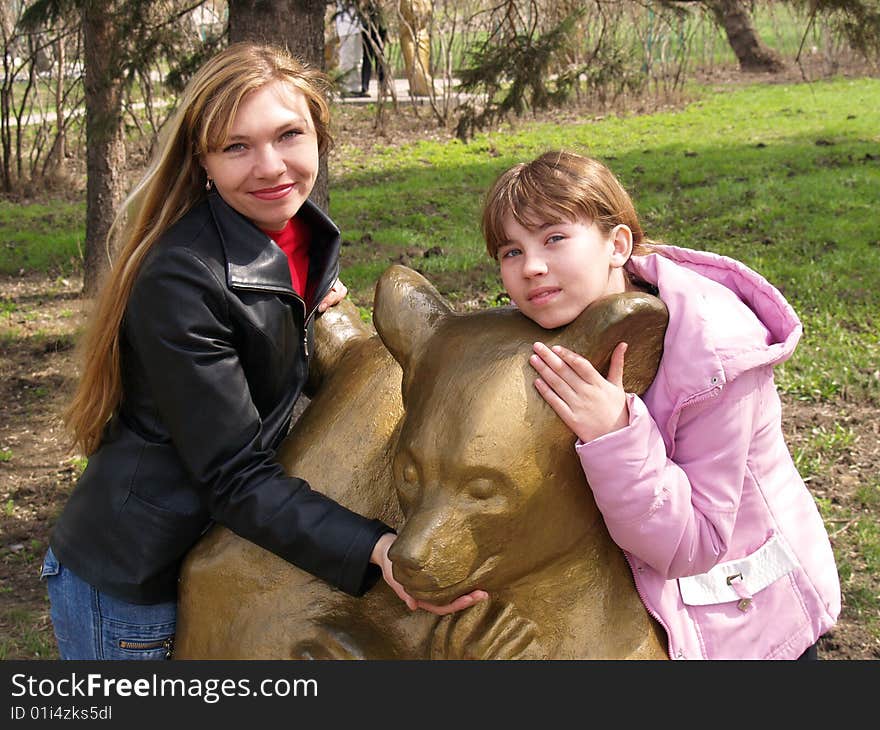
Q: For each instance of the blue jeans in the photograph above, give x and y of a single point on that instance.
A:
(90, 624)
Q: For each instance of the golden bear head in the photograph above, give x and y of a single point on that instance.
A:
(482, 463)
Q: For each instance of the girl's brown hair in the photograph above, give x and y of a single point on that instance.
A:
(173, 183)
(559, 187)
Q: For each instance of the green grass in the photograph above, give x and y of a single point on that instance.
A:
(27, 635)
(40, 237)
(823, 448)
(856, 534)
(784, 178)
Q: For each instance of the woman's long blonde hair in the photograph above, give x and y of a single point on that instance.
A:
(173, 183)
(555, 187)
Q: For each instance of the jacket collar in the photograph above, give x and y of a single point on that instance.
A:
(254, 261)
(724, 318)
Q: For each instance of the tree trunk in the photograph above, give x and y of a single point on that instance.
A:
(750, 50)
(297, 25)
(105, 142)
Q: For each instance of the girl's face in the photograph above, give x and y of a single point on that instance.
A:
(554, 271)
(267, 166)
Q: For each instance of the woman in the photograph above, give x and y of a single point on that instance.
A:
(198, 352)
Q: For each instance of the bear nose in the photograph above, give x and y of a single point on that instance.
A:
(434, 550)
(409, 569)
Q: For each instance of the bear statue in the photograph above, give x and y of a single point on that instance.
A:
(432, 424)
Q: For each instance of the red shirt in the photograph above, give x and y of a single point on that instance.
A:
(294, 240)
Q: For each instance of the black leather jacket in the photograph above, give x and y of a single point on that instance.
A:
(214, 353)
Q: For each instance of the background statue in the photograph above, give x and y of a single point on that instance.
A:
(415, 44)
(350, 51)
(490, 491)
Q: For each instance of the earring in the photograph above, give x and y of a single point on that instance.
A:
(209, 183)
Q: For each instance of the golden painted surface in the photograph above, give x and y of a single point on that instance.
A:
(415, 44)
(491, 491)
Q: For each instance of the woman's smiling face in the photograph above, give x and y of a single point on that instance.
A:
(267, 166)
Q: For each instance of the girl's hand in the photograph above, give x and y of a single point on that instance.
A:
(587, 403)
(379, 556)
(334, 296)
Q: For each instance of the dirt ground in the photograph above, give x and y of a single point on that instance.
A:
(37, 371)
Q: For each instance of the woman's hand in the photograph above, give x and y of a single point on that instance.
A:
(334, 296)
(590, 405)
(379, 557)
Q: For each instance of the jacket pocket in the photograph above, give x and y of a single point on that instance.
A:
(161, 481)
(749, 607)
(164, 535)
(147, 643)
(736, 580)
(126, 647)
(132, 631)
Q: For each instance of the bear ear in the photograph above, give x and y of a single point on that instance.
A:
(636, 318)
(406, 311)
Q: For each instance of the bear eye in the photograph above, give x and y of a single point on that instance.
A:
(406, 483)
(410, 474)
(481, 488)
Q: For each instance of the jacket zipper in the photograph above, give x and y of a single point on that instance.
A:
(307, 316)
(711, 393)
(168, 644)
(700, 397)
(650, 610)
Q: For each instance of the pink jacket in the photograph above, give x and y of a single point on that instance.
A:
(727, 547)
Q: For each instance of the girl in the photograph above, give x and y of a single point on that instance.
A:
(197, 354)
(694, 480)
